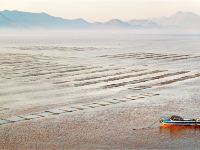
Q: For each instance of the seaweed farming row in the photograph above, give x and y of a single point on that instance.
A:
(74, 108)
(37, 81)
(54, 76)
(151, 56)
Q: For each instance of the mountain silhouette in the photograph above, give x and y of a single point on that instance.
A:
(19, 19)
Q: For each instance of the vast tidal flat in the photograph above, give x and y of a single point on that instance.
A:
(98, 91)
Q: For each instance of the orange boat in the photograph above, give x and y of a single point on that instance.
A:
(179, 121)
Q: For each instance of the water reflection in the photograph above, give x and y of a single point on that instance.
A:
(180, 131)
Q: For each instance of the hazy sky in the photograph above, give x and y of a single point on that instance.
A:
(102, 10)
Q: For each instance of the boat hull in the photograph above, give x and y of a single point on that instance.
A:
(181, 123)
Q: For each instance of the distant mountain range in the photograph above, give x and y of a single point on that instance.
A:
(18, 19)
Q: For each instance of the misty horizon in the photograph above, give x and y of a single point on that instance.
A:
(180, 22)
(98, 21)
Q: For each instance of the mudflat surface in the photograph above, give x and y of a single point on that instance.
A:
(98, 95)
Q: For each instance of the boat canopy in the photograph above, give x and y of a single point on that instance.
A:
(176, 118)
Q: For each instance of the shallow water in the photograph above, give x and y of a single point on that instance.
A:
(78, 63)
(144, 76)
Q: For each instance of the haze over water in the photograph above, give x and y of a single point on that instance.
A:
(125, 41)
